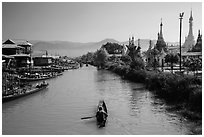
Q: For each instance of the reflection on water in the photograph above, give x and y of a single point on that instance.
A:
(57, 110)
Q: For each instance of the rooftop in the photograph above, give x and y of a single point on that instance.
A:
(21, 55)
(11, 46)
(191, 54)
(18, 42)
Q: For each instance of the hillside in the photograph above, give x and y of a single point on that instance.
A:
(74, 49)
(68, 48)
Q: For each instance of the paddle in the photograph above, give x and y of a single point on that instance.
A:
(88, 117)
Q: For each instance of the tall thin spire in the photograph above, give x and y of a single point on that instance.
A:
(138, 42)
(161, 35)
(191, 24)
(198, 33)
(150, 44)
(191, 16)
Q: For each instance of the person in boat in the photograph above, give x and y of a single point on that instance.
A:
(44, 83)
(101, 115)
(37, 85)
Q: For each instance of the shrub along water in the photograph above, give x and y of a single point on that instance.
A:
(182, 89)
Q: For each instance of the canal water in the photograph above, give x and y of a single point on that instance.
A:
(58, 110)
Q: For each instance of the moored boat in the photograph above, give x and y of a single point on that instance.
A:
(101, 123)
(24, 92)
(37, 77)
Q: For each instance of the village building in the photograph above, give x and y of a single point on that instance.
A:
(11, 49)
(22, 60)
(174, 49)
(42, 61)
(26, 45)
(20, 50)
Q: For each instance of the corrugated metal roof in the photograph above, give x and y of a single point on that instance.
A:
(191, 54)
(6, 56)
(18, 42)
(20, 55)
(22, 42)
(14, 46)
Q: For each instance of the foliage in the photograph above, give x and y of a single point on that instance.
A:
(193, 64)
(152, 58)
(171, 58)
(137, 64)
(86, 58)
(173, 88)
(100, 58)
(126, 59)
(113, 48)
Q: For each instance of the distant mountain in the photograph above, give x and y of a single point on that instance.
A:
(77, 49)
(68, 48)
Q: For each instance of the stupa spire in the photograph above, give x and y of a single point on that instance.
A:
(161, 35)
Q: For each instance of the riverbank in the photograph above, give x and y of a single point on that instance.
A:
(183, 92)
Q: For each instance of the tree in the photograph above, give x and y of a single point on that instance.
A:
(171, 58)
(100, 58)
(193, 64)
(113, 48)
(154, 54)
(152, 58)
(137, 64)
(126, 59)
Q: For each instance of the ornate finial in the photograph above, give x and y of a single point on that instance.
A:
(181, 15)
(161, 22)
(191, 11)
(198, 33)
(191, 16)
(139, 42)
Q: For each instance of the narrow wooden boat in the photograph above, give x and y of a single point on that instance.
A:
(24, 92)
(37, 78)
(104, 108)
(33, 79)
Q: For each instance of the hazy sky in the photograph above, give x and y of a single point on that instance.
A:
(90, 22)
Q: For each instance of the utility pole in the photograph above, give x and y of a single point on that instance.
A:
(181, 17)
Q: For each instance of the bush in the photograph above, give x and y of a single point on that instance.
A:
(195, 100)
(136, 75)
(126, 59)
(137, 64)
(172, 87)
